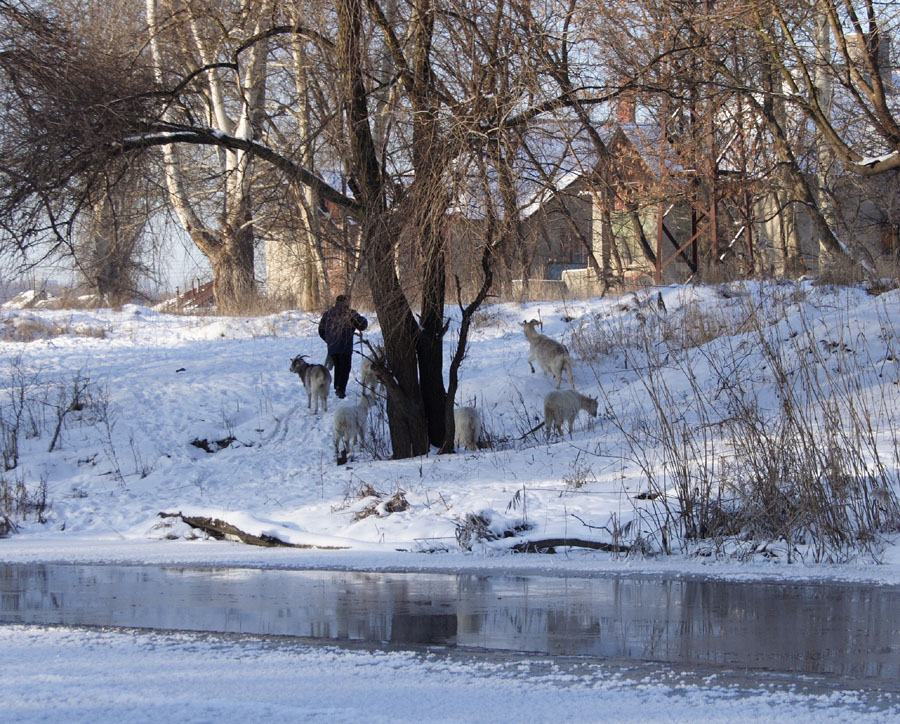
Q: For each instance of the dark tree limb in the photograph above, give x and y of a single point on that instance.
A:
(222, 530)
(532, 430)
(548, 545)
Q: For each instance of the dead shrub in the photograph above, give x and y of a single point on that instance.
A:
(486, 318)
(397, 503)
(31, 327)
(20, 502)
(474, 527)
(812, 464)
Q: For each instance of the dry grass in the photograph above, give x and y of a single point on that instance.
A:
(636, 320)
(808, 461)
(28, 328)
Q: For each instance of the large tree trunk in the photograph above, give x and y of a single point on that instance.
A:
(429, 202)
(407, 418)
(430, 347)
(406, 412)
(232, 266)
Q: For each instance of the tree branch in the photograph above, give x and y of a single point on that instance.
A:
(222, 530)
(165, 134)
(547, 545)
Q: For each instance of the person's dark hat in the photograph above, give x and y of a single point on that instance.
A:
(341, 299)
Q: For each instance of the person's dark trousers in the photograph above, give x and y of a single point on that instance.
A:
(341, 373)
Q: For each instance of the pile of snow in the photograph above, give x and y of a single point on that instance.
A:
(39, 299)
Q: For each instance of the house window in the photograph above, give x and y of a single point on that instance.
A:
(571, 250)
(570, 254)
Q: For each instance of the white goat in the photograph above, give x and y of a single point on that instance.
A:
(552, 356)
(367, 377)
(563, 406)
(350, 424)
(316, 379)
(467, 427)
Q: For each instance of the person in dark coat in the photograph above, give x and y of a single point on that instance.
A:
(337, 327)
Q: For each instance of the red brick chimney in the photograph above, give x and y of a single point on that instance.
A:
(626, 107)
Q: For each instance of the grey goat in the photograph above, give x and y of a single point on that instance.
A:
(316, 379)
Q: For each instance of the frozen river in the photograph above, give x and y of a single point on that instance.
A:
(849, 631)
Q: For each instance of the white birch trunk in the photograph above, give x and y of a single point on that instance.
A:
(174, 177)
(228, 242)
(824, 152)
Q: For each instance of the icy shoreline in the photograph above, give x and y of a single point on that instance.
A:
(209, 554)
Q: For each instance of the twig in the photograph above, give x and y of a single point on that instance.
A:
(531, 431)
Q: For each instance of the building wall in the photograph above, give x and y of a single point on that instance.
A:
(559, 235)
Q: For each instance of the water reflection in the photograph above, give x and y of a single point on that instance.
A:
(816, 629)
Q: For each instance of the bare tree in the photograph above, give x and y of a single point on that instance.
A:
(392, 115)
(111, 240)
(834, 63)
(203, 104)
(857, 117)
(229, 93)
(64, 99)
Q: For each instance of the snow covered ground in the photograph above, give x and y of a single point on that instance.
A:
(153, 392)
(75, 676)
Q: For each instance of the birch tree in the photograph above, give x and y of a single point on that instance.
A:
(231, 92)
(296, 267)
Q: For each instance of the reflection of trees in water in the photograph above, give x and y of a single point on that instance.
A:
(772, 626)
(808, 628)
(821, 628)
(395, 608)
(495, 612)
(521, 613)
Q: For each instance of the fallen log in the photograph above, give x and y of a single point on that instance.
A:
(222, 530)
(549, 545)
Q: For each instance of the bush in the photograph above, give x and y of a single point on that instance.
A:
(20, 502)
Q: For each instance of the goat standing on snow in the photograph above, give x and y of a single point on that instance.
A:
(350, 425)
(367, 376)
(467, 427)
(563, 406)
(552, 356)
(316, 379)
